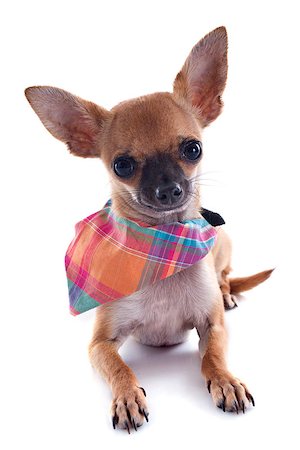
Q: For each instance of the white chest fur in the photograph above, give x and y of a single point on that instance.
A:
(161, 314)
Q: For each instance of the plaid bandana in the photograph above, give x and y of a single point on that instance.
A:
(112, 257)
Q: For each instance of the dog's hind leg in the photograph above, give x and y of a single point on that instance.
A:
(230, 300)
(222, 260)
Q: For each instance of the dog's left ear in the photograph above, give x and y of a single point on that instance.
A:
(202, 79)
(74, 121)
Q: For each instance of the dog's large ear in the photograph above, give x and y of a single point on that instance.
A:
(74, 121)
(202, 78)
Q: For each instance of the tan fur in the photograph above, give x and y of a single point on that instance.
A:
(243, 284)
(161, 314)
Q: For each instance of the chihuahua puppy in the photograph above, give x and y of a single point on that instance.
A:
(151, 147)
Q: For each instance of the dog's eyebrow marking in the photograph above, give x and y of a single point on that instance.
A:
(123, 152)
(182, 139)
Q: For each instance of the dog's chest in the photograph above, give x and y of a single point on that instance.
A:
(161, 314)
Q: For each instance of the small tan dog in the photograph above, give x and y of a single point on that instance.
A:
(151, 147)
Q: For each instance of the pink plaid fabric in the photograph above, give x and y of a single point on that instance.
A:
(112, 257)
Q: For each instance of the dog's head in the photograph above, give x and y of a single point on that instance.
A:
(152, 145)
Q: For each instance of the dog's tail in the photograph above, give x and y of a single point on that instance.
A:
(242, 284)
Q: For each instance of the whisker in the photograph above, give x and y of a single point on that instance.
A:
(200, 177)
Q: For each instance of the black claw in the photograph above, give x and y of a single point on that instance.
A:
(251, 399)
(127, 426)
(221, 405)
(131, 419)
(236, 407)
(115, 421)
(133, 424)
(129, 416)
(145, 415)
(243, 406)
(208, 385)
(144, 392)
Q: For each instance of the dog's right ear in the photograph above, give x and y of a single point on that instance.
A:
(76, 122)
(202, 79)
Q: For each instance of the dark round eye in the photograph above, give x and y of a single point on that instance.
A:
(124, 166)
(191, 150)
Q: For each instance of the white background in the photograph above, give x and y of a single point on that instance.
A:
(107, 52)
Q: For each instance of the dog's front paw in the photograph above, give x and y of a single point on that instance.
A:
(129, 408)
(229, 394)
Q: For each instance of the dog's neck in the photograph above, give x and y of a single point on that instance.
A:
(126, 207)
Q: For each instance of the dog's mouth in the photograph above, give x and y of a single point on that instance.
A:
(170, 208)
(162, 209)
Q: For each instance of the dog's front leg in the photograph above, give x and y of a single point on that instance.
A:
(227, 391)
(129, 406)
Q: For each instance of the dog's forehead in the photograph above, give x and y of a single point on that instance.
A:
(152, 122)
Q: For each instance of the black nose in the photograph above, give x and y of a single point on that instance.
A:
(168, 194)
